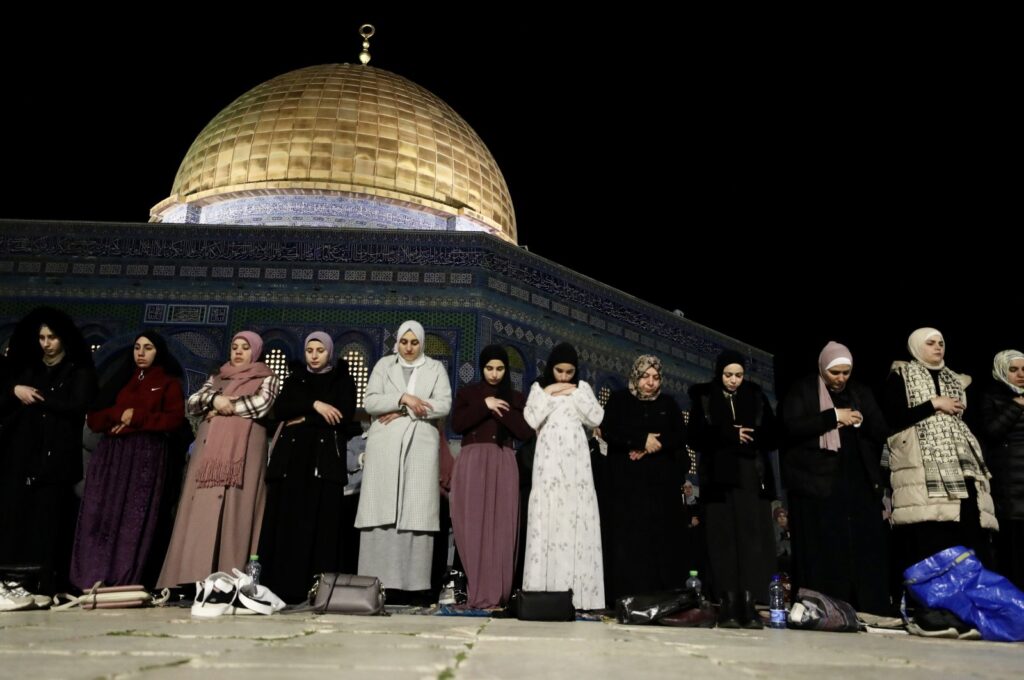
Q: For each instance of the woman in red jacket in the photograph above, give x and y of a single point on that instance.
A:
(139, 406)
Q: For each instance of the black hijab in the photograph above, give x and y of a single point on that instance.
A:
(743, 399)
(562, 353)
(728, 356)
(125, 368)
(504, 388)
(489, 354)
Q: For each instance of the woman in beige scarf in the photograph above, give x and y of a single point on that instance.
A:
(221, 508)
(940, 483)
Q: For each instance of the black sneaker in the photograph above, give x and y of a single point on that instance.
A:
(454, 589)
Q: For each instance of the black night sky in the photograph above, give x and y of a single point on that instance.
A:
(783, 179)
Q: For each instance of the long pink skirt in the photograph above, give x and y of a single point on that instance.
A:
(217, 528)
(485, 518)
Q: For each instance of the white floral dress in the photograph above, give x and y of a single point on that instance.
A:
(563, 531)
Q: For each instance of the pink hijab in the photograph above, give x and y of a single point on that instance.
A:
(227, 437)
(834, 354)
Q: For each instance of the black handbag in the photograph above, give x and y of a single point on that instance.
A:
(640, 609)
(347, 594)
(543, 605)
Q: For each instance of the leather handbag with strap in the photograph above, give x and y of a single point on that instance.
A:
(334, 593)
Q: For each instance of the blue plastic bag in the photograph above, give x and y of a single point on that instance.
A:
(955, 579)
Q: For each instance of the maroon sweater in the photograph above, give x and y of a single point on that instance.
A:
(157, 400)
(478, 425)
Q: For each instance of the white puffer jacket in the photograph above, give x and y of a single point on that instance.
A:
(910, 500)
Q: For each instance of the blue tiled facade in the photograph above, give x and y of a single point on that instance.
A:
(200, 283)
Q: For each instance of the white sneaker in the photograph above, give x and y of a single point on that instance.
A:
(233, 594)
(11, 602)
(215, 596)
(17, 590)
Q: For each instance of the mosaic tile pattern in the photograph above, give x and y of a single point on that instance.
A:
(371, 282)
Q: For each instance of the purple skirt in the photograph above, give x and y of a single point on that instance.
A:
(123, 485)
(485, 519)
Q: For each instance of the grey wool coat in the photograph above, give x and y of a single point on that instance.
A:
(400, 469)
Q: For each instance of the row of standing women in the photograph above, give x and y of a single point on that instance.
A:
(842, 451)
(833, 434)
(603, 536)
(232, 504)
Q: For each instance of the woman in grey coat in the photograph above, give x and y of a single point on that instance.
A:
(408, 392)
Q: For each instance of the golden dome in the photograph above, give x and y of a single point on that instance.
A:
(345, 129)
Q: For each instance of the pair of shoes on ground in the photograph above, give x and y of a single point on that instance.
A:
(453, 592)
(222, 594)
(736, 611)
(14, 598)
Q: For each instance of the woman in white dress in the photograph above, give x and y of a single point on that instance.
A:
(400, 497)
(563, 534)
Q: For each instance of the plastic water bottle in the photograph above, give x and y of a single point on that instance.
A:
(693, 583)
(253, 569)
(777, 603)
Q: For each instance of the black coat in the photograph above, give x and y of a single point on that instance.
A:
(1002, 429)
(714, 435)
(314, 448)
(806, 468)
(42, 442)
(641, 511)
(305, 525)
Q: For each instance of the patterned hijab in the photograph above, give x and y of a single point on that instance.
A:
(834, 354)
(1001, 368)
(949, 450)
(915, 343)
(640, 366)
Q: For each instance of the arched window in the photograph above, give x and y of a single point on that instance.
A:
(438, 348)
(603, 395)
(517, 367)
(358, 368)
(95, 335)
(277, 361)
(95, 342)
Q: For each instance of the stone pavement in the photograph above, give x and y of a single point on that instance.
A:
(167, 643)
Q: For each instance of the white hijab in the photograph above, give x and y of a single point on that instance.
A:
(915, 343)
(1001, 368)
(417, 329)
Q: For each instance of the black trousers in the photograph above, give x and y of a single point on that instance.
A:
(741, 542)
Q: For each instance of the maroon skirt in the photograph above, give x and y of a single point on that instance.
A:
(123, 485)
(485, 519)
